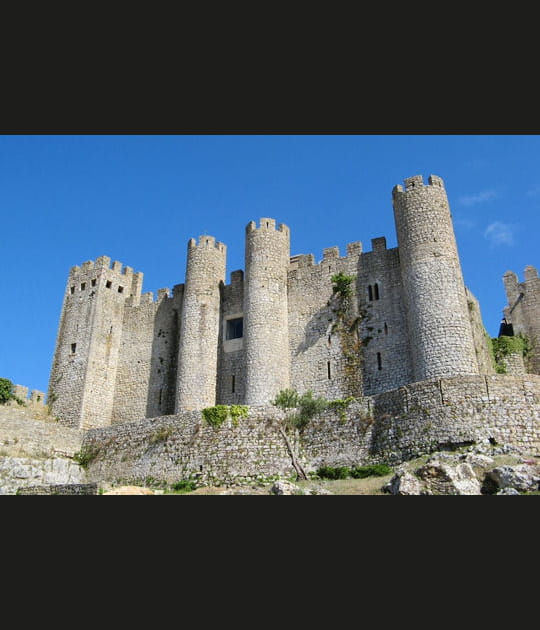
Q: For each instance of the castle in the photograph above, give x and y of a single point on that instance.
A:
(404, 316)
(391, 338)
(122, 356)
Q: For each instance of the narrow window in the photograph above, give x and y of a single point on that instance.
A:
(370, 293)
(72, 290)
(385, 329)
(73, 348)
(376, 289)
(235, 328)
(120, 289)
(328, 369)
(160, 394)
(110, 331)
(379, 361)
(83, 286)
(108, 284)
(233, 383)
(94, 282)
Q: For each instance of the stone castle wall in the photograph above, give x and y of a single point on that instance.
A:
(386, 351)
(315, 345)
(523, 311)
(389, 427)
(146, 376)
(121, 356)
(231, 384)
(22, 431)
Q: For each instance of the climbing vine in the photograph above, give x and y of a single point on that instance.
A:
(345, 326)
(505, 345)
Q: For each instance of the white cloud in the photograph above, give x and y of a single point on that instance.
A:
(471, 200)
(500, 233)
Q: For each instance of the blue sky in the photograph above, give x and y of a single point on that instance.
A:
(66, 199)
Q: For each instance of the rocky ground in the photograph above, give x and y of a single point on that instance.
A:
(474, 470)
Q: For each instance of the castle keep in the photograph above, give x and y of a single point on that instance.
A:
(123, 356)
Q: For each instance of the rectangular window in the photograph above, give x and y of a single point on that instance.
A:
(72, 290)
(379, 361)
(120, 289)
(73, 348)
(235, 328)
(94, 282)
(233, 383)
(83, 286)
(108, 284)
(328, 369)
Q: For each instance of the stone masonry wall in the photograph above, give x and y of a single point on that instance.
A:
(315, 342)
(266, 332)
(146, 375)
(183, 446)
(386, 360)
(83, 376)
(21, 433)
(199, 327)
(231, 374)
(389, 427)
(480, 336)
(438, 320)
(430, 415)
(523, 311)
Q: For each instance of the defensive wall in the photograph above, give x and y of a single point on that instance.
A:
(390, 427)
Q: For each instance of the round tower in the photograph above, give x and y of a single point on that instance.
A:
(199, 325)
(266, 327)
(434, 293)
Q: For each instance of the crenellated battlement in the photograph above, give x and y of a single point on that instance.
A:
(207, 242)
(237, 277)
(267, 225)
(91, 275)
(416, 182)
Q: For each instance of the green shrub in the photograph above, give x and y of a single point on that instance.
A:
(356, 472)
(216, 416)
(184, 485)
(6, 390)
(374, 470)
(334, 472)
(86, 455)
(286, 399)
(342, 284)
(307, 406)
(237, 412)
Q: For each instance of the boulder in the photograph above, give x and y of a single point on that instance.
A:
(441, 478)
(404, 483)
(521, 477)
(286, 488)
